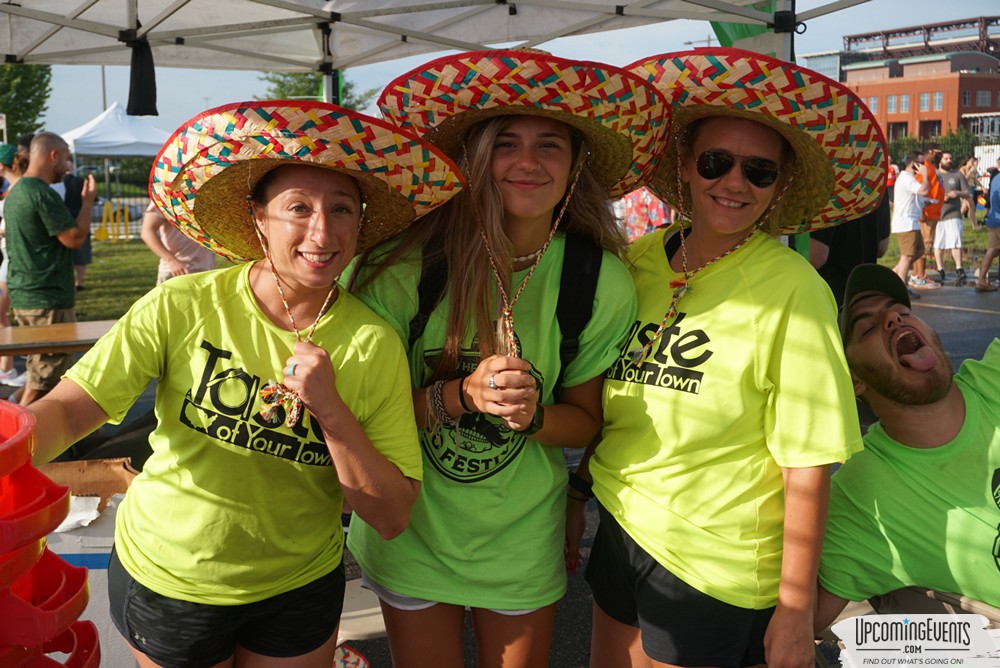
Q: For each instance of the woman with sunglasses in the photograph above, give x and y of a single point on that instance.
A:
(731, 395)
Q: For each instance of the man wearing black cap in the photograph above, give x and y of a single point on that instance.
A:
(920, 506)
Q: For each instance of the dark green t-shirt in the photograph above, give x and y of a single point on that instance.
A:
(40, 273)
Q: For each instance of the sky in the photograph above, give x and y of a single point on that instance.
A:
(77, 90)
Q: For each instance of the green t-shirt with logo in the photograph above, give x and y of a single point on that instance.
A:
(750, 378)
(40, 271)
(488, 527)
(231, 508)
(925, 517)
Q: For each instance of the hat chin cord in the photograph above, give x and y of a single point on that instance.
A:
(281, 292)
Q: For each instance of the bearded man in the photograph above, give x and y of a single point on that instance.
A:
(920, 506)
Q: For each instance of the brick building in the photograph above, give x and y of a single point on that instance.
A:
(930, 95)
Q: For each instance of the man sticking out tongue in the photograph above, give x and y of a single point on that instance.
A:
(918, 509)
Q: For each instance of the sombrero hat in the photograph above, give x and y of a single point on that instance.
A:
(203, 174)
(623, 119)
(840, 151)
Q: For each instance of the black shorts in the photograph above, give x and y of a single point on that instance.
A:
(176, 633)
(679, 624)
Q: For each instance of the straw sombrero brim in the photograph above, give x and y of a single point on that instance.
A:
(623, 119)
(203, 175)
(840, 151)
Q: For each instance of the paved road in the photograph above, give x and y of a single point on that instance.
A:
(965, 319)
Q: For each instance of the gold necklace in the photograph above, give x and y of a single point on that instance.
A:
(505, 323)
(274, 394)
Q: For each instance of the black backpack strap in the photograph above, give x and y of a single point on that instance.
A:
(577, 288)
(430, 290)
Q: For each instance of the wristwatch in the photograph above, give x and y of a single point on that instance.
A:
(537, 420)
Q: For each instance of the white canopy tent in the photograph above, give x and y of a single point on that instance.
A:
(113, 133)
(329, 35)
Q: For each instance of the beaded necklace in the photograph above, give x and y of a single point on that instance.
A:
(274, 394)
(681, 285)
(524, 258)
(506, 342)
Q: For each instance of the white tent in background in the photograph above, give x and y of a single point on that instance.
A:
(114, 133)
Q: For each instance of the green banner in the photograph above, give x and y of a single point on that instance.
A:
(757, 38)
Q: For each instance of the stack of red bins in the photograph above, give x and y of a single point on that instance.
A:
(41, 596)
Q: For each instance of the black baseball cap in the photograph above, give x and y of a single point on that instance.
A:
(867, 278)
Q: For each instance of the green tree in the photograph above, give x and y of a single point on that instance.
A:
(961, 144)
(24, 91)
(307, 85)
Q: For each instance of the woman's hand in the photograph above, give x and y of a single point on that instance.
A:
(312, 378)
(504, 386)
(789, 640)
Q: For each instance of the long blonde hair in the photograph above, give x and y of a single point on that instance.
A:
(452, 234)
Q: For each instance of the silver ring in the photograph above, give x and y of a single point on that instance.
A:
(290, 369)
(493, 384)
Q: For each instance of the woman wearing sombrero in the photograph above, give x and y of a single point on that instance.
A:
(279, 396)
(731, 396)
(543, 142)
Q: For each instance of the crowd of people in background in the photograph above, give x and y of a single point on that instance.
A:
(527, 254)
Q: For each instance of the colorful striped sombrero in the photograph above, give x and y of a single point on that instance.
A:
(840, 151)
(203, 174)
(624, 119)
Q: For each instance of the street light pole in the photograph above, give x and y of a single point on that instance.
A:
(707, 41)
(107, 161)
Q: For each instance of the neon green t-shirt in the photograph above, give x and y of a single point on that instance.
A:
(488, 527)
(230, 509)
(926, 517)
(750, 378)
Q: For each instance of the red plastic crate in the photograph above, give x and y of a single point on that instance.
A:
(17, 435)
(31, 506)
(16, 563)
(43, 603)
(80, 641)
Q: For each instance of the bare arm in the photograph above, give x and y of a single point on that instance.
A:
(75, 236)
(925, 186)
(152, 221)
(828, 607)
(883, 246)
(819, 253)
(374, 488)
(576, 511)
(63, 417)
(789, 638)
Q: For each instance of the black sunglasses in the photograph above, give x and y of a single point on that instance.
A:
(760, 172)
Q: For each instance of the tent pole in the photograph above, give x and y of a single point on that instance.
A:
(785, 33)
(331, 86)
(107, 179)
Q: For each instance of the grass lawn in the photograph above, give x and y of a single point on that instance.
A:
(973, 247)
(120, 273)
